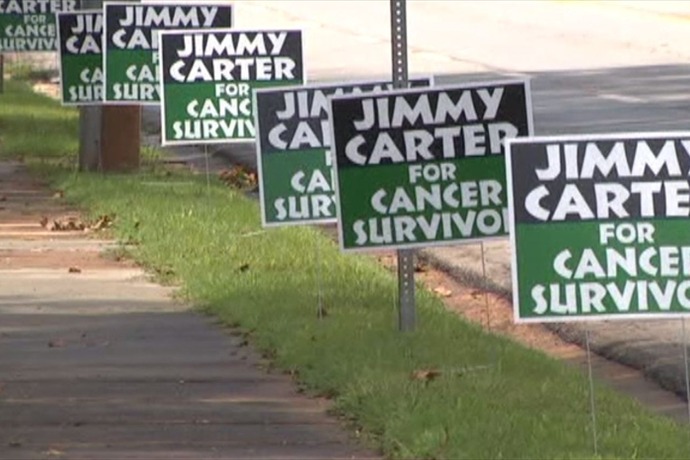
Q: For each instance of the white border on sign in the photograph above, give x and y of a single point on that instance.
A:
(259, 153)
(445, 87)
(511, 216)
(154, 3)
(59, 51)
(164, 140)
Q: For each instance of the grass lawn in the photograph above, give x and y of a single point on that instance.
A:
(29, 125)
(525, 405)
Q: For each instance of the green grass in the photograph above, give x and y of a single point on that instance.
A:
(526, 405)
(33, 124)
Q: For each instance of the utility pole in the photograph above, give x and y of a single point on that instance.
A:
(109, 136)
(406, 287)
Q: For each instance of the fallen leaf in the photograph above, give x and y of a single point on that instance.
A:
(57, 343)
(44, 221)
(426, 375)
(64, 224)
(102, 222)
(243, 268)
(443, 292)
(58, 194)
(420, 267)
(238, 177)
(74, 270)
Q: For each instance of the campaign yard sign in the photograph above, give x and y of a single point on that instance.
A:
(293, 156)
(130, 60)
(600, 226)
(81, 60)
(209, 77)
(29, 25)
(423, 167)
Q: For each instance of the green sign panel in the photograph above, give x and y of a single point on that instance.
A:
(29, 25)
(293, 148)
(422, 167)
(130, 60)
(81, 60)
(209, 78)
(600, 226)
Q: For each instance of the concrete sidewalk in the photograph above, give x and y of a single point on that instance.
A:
(97, 362)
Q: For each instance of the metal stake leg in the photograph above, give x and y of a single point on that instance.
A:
(208, 170)
(687, 371)
(319, 286)
(592, 403)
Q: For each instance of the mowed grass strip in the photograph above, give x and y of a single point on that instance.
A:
(33, 124)
(523, 404)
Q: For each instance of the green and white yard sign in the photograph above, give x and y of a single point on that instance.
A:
(130, 60)
(422, 167)
(81, 60)
(293, 150)
(600, 226)
(209, 77)
(29, 25)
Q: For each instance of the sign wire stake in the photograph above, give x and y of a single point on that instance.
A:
(208, 170)
(487, 309)
(320, 313)
(684, 343)
(592, 403)
(485, 288)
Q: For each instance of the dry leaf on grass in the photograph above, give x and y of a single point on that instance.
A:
(238, 177)
(102, 222)
(58, 194)
(74, 270)
(443, 292)
(420, 267)
(425, 375)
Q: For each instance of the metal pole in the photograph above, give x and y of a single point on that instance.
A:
(406, 300)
